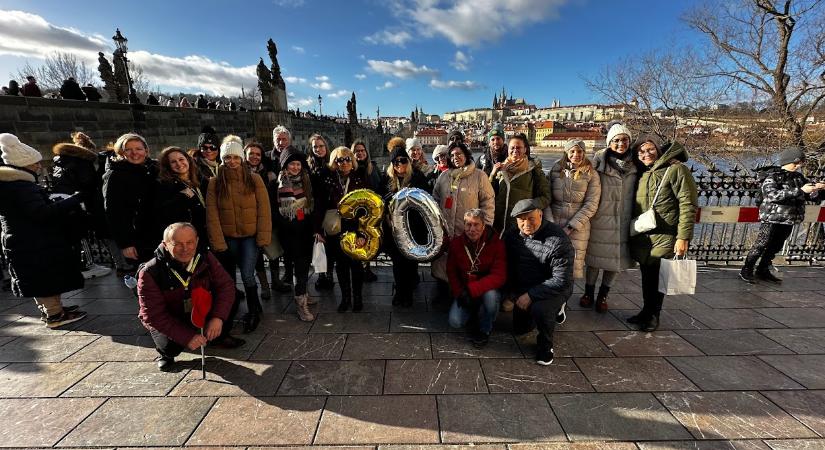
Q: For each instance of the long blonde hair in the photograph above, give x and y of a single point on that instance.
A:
(584, 167)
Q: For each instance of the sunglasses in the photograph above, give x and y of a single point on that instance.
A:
(345, 159)
(400, 161)
(208, 148)
(442, 156)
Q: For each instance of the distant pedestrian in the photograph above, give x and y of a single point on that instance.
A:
(784, 193)
(70, 90)
(184, 103)
(201, 103)
(13, 89)
(91, 93)
(152, 100)
(30, 89)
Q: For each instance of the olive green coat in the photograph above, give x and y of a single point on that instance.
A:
(530, 183)
(675, 208)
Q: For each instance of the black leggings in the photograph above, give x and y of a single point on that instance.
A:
(771, 238)
(653, 299)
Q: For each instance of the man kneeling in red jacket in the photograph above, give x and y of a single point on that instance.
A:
(477, 269)
(165, 285)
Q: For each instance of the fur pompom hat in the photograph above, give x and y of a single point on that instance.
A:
(16, 153)
(232, 145)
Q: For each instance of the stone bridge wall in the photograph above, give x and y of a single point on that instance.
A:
(42, 123)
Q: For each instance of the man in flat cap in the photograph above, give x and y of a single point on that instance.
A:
(540, 274)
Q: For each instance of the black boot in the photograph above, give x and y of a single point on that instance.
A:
(651, 325)
(324, 281)
(288, 273)
(252, 318)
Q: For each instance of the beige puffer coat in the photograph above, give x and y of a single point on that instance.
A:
(238, 214)
(472, 190)
(573, 202)
(610, 226)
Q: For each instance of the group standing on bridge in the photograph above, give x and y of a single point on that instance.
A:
(517, 237)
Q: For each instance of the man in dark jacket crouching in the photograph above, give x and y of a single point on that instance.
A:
(540, 274)
(165, 286)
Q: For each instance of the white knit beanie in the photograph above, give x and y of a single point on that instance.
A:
(440, 150)
(16, 153)
(617, 129)
(232, 145)
(412, 143)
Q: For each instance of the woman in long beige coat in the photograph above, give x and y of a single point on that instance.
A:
(575, 189)
(459, 189)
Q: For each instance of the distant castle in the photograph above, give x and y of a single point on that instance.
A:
(504, 102)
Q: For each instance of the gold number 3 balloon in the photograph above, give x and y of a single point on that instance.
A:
(368, 224)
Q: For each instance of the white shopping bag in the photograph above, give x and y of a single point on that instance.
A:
(677, 276)
(319, 258)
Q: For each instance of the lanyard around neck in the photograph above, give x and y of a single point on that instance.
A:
(189, 269)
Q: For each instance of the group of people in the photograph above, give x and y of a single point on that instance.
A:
(517, 236)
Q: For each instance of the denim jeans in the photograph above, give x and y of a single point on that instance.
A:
(244, 252)
(487, 311)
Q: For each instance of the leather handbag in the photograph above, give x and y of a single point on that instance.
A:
(332, 222)
(646, 221)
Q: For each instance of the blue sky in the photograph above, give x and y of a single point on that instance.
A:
(440, 55)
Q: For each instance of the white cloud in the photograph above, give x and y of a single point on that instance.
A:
(461, 61)
(295, 80)
(389, 37)
(462, 85)
(338, 94)
(386, 85)
(303, 103)
(324, 86)
(322, 78)
(400, 69)
(360, 76)
(29, 35)
(298, 49)
(472, 22)
(288, 3)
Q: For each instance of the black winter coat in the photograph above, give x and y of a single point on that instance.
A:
(71, 91)
(541, 266)
(172, 205)
(128, 195)
(74, 171)
(418, 228)
(783, 200)
(486, 162)
(42, 260)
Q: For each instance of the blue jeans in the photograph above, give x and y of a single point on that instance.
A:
(487, 311)
(244, 253)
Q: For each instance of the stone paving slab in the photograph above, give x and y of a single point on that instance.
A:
(633, 375)
(732, 415)
(333, 378)
(804, 406)
(41, 422)
(732, 319)
(525, 376)
(591, 321)
(110, 325)
(803, 341)
(732, 342)
(633, 343)
(43, 348)
(41, 379)
(575, 446)
(669, 319)
(459, 345)
(231, 378)
(140, 421)
(568, 344)
(300, 347)
(796, 317)
(497, 418)
(724, 300)
(704, 445)
(420, 322)
(126, 379)
(260, 421)
(379, 419)
(388, 346)
(808, 370)
(434, 376)
(796, 444)
(732, 373)
(804, 299)
(351, 323)
(626, 416)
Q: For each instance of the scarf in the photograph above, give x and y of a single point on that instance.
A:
(514, 167)
(396, 184)
(211, 165)
(459, 173)
(292, 194)
(619, 161)
(422, 166)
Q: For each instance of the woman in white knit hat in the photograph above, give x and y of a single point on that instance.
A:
(238, 221)
(607, 249)
(42, 262)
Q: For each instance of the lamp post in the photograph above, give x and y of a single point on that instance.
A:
(120, 42)
(320, 112)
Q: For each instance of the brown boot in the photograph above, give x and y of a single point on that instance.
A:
(303, 308)
(265, 295)
(586, 301)
(601, 303)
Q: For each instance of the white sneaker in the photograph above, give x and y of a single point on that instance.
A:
(95, 271)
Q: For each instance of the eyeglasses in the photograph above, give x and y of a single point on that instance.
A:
(441, 156)
(651, 151)
(208, 148)
(400, 161)
(345, 159)
(620, 140)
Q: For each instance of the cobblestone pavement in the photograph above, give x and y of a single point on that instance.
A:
(734, 366)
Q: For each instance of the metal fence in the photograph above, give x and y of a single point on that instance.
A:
(729, 242)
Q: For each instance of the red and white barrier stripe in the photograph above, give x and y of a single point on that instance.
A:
(748, 214)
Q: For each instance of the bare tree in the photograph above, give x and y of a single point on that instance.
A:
(776, 48)
(140, 82)
(56, 68)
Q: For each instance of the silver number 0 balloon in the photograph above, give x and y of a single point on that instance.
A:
(419, 200)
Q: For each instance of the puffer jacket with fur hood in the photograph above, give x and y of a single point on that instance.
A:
(783, 201)
(237, 213)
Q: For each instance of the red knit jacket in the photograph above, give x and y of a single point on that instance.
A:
(492, 265)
